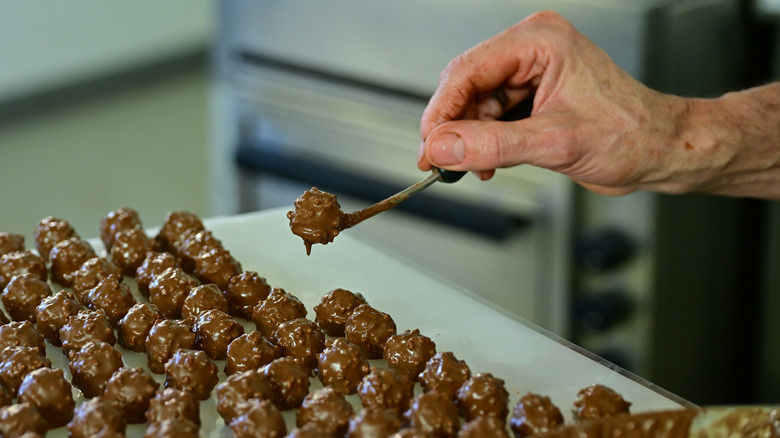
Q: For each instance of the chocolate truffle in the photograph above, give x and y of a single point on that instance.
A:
(308, 430)
(53, 312)
(334, 308)
(177, 224)
(17, 362)
(154, 264)
(20, 419)
(250, 351)
(481, 427)
(50, 231)
(598, 401)
(289, 382)
(410, 432)
(385, 388)
(22, 295)
(444, 373)
(481, 395)
(202, 298)
(328, 409)
(20, 263)
(276, 309)
(172, 429)
(301, 340)
(217, 266)
(316, 217)
(113, 297)
(261, 419)
(192, 244)
(173, 404)
(214, 331)
(193, 371)
(408, 352)
(47, 390)
(534, 414)
(85, 326)
(97, 417)
(244, 292)
(373, 422)
(6, 398)
(21, 334)
(11, 242)
(92, 365)
(135, 325)
(240, 388)
(168, 290)
(129, 250)
(342, 365)
(164, 338)
(434, 413)
(121, 219)
(131, 389)
(67, 257)
(89, 274)
(3, 318)
(369, 329)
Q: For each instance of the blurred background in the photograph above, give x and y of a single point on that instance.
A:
(223, 107)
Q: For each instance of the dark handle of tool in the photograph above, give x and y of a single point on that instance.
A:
(449, 176)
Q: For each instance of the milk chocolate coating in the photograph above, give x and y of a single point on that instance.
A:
(434, 413)
(214, 331)
(289, 382)
(53, 312)
(176, 224)
(240, 388)
(6, 398)
(17, 362)
(129, 250)
(193, 371)
(67, 257)
(113, 297)
(92, 365)
(47, 390)
(19, 263)
(328, 409)
(50, 231)
(408, 352)
(250, 351)
(342, 365)
(202, 298)
(369, 329)
(334, 308)
(410, 433)
(301, 340)
(97, 417)
(279, 307)
(194, 243)
(482, 395)
(308, 430)
(373, 422)
(244, 292)
(20, 419)
(22, 295)
(85, 326)
(534, 414)
(444, 373)
(131, 389)
(217, 266)
(121, 219)
(315, 217)
(3, 318)
(21, 334)
(135, 325)
(154, 264)
(261, 419)
(168, 290)
(11, 242)
(598, 401)
(164, 338)
(481, 427)
(89, 274)
(172, 429)
(173, 404)
(385, 388)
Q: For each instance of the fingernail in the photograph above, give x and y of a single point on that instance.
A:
(421, 151)
(447, 149)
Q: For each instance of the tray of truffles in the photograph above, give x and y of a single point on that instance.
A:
(183, 327)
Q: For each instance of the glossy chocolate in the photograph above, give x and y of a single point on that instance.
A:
(334, 308)
(175, 226)
(244, 292)
(387, 389)
(369, 329)
(193, 371)
(434, 413)
(598, 401)
(113, 297)
(50, 231)
(17, 362)
(240, 388)
(92, 365)
(135, 325)
(131, 389)
(97, 417)
(342, 365)
(129, 250)
(173, 404)
(121, 219)
(53, 312)
(279, 307)
(11, 242)
(172, 429)
(166, 337)
(89, 275)
(21, 334)
(483, 395)
(328, 409)
(20, 263)
(192, 245)
(444, 373)
(534, 414)
(168, 291)
(217, 266)
(47, 390)
(300, 339)
(373, 422)
(20, 419)
(202, 298)
(214, 331)
(67, 257)
(316, 217)
(22, 295)
(85, 326)
(289, 382)
(154, 264)
(408, 352)
(250, 351)
(482, 427)
(261, 419)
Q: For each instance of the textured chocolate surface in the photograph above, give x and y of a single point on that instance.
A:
(194, 243)
(164, 338)
(240, 388)
(598, 401)
(316, 217)
(168, 290)
(385, 388)
(482, 427)
(92, 365)
(135, 325)
(217, 266)
(176, 225)
(172, 429)
(173, 404)
(300, 339)
(250, 351)
(261, 419)
(334, 308)
(67, 257)
(19, 419)
(244, 292)
(17, 362)
(22, 295)
(154, 264)
(21, 334)
(19, 263)
(444, 373)
(434, 413)
(328, 409)
(10, 242)
(202, 298)
(483, 395)
(342, 365)
(97, 417)
(408, 352)
(85, 326)
(129, 250)
(53, 312)
(534, 414)
(373, 422)
(50, 231)
(193, 371)
(289, 382)
(369, 329)
(121, 219)
(279, 307)
(89, 274)
(113, 297)
(47, 390)
(131, 389)
(214, 331)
